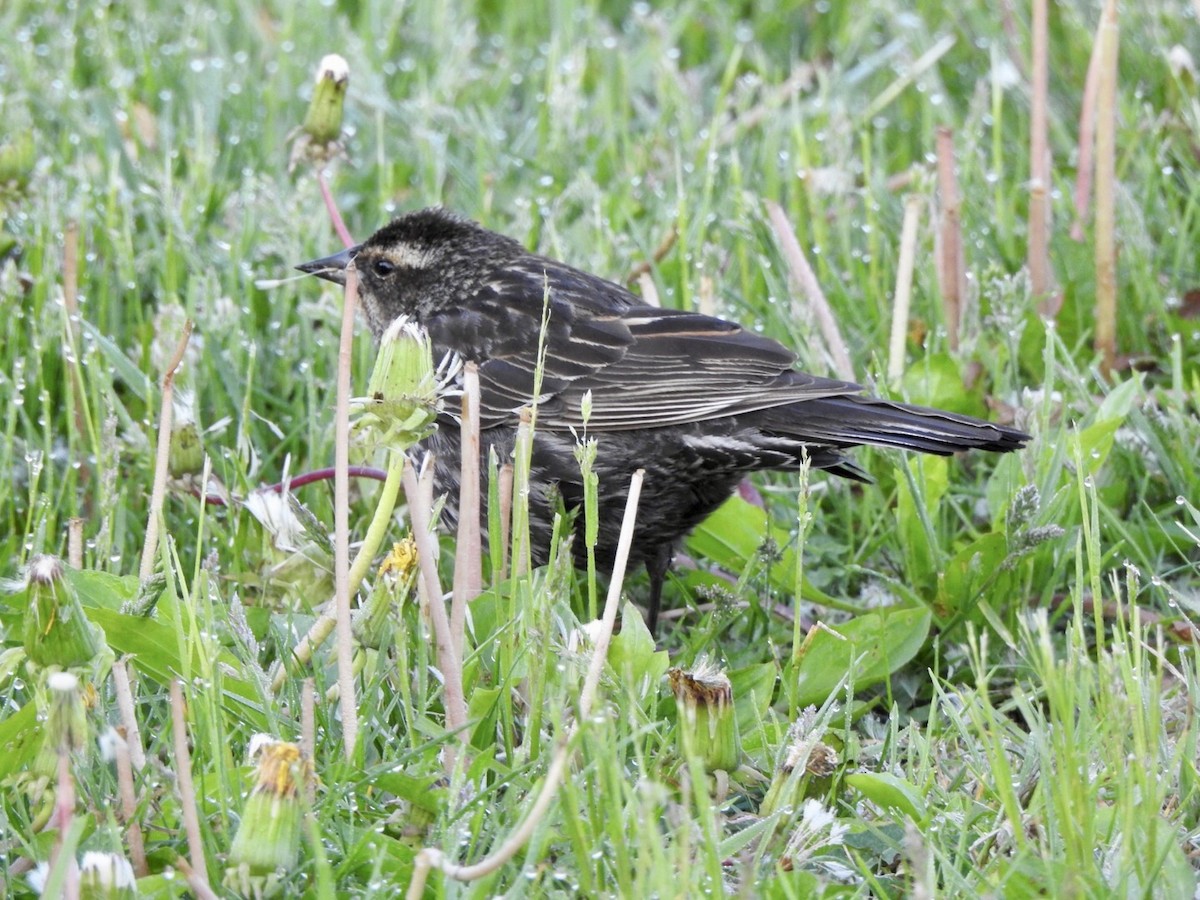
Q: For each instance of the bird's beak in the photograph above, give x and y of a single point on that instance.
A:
(331, 268)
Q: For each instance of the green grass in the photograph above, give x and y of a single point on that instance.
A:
(1007, 694)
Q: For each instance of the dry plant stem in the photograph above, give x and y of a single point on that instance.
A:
(468, 557)
(16, 868)
(1085, 168)
(187, 789)
(660, 253)
(904, 279)
(308, 731)
(128, 795)
(806, 280)
(431, 857)
(952, 274)
(647, 289)
(159, 491)
(308, 718)
(448, 661)
(71, 279)
(75, 542)
(320, 630)
(706, 296)
(613, 601)
(195, 880)
(1015, 36)
(1181, 630)
(1106, 153)
(1040, 280)
(341, 521)
(425, 504)
(425, 483)
(335, 217)
(124, 692)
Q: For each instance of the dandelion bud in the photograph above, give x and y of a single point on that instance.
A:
(186, 454)
(804, 757)
(268, 838)
(402, 396)
(707, 722)
(56, 632)
(323, 122)
(397, 574)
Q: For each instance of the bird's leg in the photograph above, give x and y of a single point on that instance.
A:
(657, 564)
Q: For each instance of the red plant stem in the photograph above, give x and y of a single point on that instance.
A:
(331, 207)
(305, 479)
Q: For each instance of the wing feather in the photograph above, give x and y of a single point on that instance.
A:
(645, 367)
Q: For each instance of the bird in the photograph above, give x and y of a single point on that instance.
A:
(696, 401)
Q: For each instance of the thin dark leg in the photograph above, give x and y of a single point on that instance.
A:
(657, 564)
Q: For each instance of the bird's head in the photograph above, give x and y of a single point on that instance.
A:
(418, 265)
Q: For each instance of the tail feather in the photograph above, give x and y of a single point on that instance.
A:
(851, 420)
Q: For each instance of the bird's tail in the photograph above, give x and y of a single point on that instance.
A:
(850, 420)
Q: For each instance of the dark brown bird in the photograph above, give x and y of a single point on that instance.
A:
(696, 401)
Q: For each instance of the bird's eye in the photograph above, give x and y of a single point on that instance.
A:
(384, 267)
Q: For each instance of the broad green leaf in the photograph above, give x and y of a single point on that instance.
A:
(483, 708)
(969, 571)
(937, 381)
(421, 791)
(869, 648)
(733, 844)
(1117, 405)
(20, 734)
(632, 653)
(101, 589)
(732, 536)
(753, 689)
(1095, 442)
(921, 488)
(890, 792)
(135, 379)
(375, 852)
(155, 652)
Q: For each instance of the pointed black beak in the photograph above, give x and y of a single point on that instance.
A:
(331, 268)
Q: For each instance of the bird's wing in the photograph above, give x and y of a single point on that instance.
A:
(686, 367)
(643, 367)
